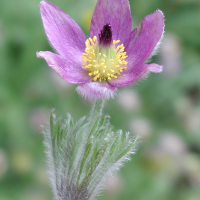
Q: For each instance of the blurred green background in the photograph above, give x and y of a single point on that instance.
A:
(164, 109)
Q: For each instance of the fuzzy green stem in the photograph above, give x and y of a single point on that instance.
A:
(93, 121)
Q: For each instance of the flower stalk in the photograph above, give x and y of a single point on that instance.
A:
(81, 156)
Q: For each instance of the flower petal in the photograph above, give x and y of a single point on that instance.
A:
(117, 14)
(96, 90)
(144, 40)
(62, 31)
(142, 71)
(154, 67)
(70, 71)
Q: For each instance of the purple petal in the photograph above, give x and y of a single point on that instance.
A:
(128, 78)
(62, 31)
(70, 71)
(144, 40)
(154, 67)
(96, 90)
(117, 14)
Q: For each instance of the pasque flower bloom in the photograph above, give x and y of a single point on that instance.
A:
(113, 56)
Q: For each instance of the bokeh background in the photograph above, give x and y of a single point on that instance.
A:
(164, 109)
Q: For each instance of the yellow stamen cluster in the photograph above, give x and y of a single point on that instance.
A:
(104, 63)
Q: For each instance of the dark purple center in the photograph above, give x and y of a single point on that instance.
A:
(105, 36)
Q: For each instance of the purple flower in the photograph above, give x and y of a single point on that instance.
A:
(113, 56)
